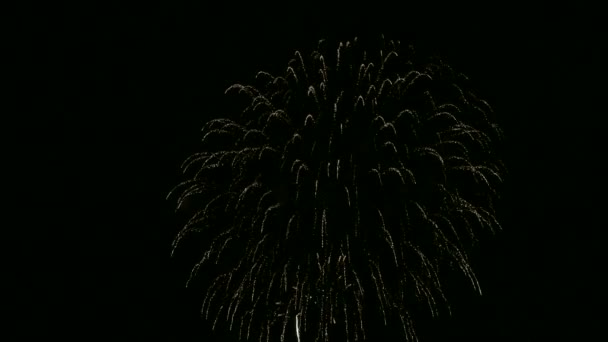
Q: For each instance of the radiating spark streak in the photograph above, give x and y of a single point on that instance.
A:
(266, 215)
(379, 290)
(338, 169)
(298, 325)
(360, 102)
(388, 237)
(323, 228)
(377, 176)
(289, 224)
(347, 195)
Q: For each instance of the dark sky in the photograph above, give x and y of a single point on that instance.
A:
(138, 83)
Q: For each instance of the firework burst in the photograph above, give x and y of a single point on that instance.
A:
(340, 193)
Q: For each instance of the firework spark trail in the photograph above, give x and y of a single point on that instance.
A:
(334, 180)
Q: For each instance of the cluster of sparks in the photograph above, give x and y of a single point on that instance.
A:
(338, 194)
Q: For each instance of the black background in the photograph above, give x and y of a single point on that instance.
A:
(134, 84)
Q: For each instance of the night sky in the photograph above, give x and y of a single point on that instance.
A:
(138, 83)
